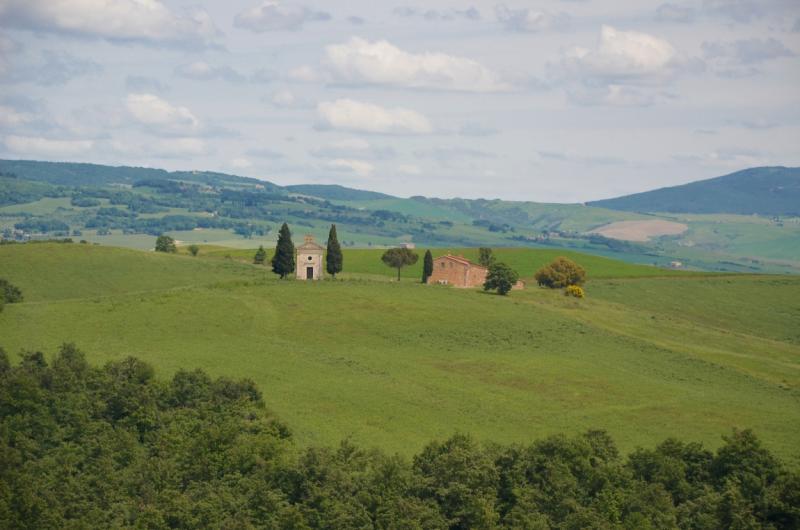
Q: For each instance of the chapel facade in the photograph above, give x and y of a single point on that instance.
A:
(309, 260)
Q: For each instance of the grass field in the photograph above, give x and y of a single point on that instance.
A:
(649, 354)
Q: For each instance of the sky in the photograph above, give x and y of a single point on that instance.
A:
(547, 101)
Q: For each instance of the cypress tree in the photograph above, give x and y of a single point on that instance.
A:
(427, 266)
(333, 260)
(283, 260)
(261, 256)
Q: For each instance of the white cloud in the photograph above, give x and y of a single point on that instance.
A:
(148, 21)
(347, 114)
(273, 16)
(202, 71)
(359, 167)
(38, 146)
(530, 20)
(382, 63)
(620, 69)
(151, 110)
(622, 55)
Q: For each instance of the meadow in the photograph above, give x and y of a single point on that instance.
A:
(647, 355)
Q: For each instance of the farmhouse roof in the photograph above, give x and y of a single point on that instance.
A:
(462, 260)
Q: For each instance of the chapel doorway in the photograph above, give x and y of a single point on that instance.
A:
(309, 273)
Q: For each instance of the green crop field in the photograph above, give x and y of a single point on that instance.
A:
(647, 355)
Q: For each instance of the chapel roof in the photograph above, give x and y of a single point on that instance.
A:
(310, 245)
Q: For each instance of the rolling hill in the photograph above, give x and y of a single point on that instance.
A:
(770, 191)
(394, 365)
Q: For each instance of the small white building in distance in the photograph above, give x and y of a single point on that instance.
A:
(408, 245)
(309, 260)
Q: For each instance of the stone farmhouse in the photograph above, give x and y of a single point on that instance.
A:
(309, 260)
(457, 271)
(460, 272)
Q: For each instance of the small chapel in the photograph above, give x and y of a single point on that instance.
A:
(309, 260)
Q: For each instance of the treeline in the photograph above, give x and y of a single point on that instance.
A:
(114, 447)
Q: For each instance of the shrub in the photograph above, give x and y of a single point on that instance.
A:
(194, 250)
(574, 290)
(9, 292)
(560, 273)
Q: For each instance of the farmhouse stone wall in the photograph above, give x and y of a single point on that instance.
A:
(457, 271)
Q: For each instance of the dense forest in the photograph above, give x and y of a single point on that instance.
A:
(115, 447)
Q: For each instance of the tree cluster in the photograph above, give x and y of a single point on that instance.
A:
(116, 447)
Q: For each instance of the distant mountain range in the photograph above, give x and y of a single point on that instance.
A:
(122, 205)
(759, 190)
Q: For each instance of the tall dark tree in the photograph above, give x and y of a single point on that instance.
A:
(283, 260)
(333, 259)
(399, 258)
(485, 256)
(261, 255)
(427, 266)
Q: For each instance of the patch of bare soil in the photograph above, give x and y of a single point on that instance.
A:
(640, 230)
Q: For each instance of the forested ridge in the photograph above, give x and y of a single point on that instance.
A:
(114, 446)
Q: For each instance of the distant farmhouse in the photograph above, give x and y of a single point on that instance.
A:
(309, 260)
(460, 272)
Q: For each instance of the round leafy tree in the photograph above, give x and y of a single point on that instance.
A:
(398, 258)
(500, 277)
(165, 244)
(560, 273)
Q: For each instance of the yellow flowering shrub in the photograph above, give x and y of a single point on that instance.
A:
(574, 290)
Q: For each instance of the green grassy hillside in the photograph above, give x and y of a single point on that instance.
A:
(397, 364)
